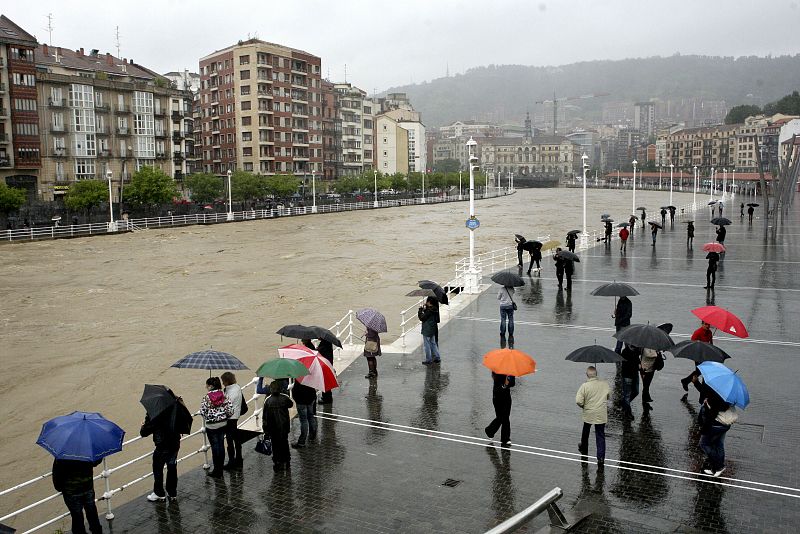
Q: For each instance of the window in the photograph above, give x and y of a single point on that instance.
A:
(21, 54)
(245, 90)
(142, 102)
(84, 169)
(143, 124)
(24, 104)
(247, 121)
(247, 136)
(58, 143)
(24, 128)
(59, 171)
(24, 79)
(244, 74)
(98, 100)
(56, 95)
(247, 151)
(244, 60)
(85, 145)
(385, 140)
(145, 147)
(246, 105)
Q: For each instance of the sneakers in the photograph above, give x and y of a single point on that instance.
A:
(718, 473)
(425, 362)
(508, 444)
(155, 498)
(708, 471)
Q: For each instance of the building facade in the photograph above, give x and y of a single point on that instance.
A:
(357, 115)
(392, 146)
(644, 118)
(551, 157)
(704, 147)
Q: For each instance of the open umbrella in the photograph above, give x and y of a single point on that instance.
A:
(521, 238)
(654, 223)
(573, 232)
(295, 350)
(421, 293)
(753, 204)
(552, 244)
(530, 246)
(567, 255)
(644, 336)
(441, 294)
(722, 319)
(634, 216)
(507, 279)
(608, 220)
(509, 362)
(714, 247)
(623, 225)
(156, 399)
(672, 208)
(325, 335)
(604, 216)
(687, 222)
(321, 375)
(614, 289)
(373, 319)
(726, 383)
(712, 202)
(282, 368)
(721, 221)
(209, 359)
(84, 436)
(699, 351)
(594, 354)
(296, 331)
(642, 208)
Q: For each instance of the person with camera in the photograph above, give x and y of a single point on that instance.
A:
(427, 315)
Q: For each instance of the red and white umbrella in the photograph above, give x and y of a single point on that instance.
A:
(714, 247)
(295, 351)
(321, 375)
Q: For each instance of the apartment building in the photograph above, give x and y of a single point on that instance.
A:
(409, 120)
(357, 115)
(703, 147)
(332, 155)
(547, 156)
(261, 110)
(20, 148)
(392, 146)
(644, 118)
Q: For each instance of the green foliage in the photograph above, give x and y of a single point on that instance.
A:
(86, 195)
(247, 186)
(150, 186)
(204, 188)
(11, 198)
(435, 180)
(281, 185)
(447, 165)
(415, 181)
(399, 182)
(788, 105)
(738, 114)
(348, 184)
(451, 179)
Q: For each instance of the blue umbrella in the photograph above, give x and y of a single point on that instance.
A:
(209, 359)
(726, 383)
(84, 436)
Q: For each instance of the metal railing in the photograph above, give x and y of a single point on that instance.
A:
(547, 502)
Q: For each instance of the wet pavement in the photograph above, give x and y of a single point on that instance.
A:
(407, 452)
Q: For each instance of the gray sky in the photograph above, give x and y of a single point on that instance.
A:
(386, 44)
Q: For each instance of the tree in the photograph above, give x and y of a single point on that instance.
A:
(399, 182)
(349, 184)
(246, 186)
(150, 187)
(281, 185)
(11, 198)
(788, 105)
(86, 195)
(435, 180)
(447, 165)
(204, 188)
(738, 114)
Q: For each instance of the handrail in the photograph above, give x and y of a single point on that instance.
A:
(547, 502)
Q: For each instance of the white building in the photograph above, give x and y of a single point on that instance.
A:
(409, 120)
(392, 152)
(185, 81)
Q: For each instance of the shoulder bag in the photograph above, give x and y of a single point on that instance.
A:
(513, 304)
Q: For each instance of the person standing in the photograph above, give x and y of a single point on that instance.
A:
(305, 398)
(215, 410)
(711, 271)
(167, 442)
(750, 211)
(704, 334)
(622, 318)
(720, 208)
(609, 229)
(741, 210)
(654, 232)
(647, 370)
(663, 216)
(372, 349)
(689, 234)
(507, 305)
(623, 239)
(233, 392)
(569, 270)
(592, 398)
(571, 238)
(427, 315)
(74, 479)
(501, 400)
(559, 262)
(644, 217)
(276, 425)
(721, 232)
(536, 256)
(630, 377)
(716, 417)
(325, 349)
(632, 222)
(519, 240)
(672, 210)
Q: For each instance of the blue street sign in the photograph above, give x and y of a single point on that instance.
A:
(473, 223)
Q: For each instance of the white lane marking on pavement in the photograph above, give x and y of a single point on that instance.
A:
(726, 260)
(576, 280)
(484, 442)
(607, 329)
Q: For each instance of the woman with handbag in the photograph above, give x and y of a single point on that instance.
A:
(715, 419)
(507, 307)
(372, 349)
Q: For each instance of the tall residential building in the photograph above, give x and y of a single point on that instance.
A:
(331, 133)
(392, 145)
(20, 149)
(261, 110)
(409, 120)
(357, 115)
(185, 81)
(704, 147)
(644, 118)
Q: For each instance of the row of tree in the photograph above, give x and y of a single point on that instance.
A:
(788, 105)
(404, 183)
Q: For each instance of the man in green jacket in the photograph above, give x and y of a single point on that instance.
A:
(592, 397)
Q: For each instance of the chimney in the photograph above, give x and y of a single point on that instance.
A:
(81, 50)
(110, 60)
(45, 50)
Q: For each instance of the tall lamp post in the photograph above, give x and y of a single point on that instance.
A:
(584, 235)
(112, 226)
(423, 187)
(733, 183)
(694, 195)
(230, 200)
(671, 166)
(313, 192)
(375, 178)
(633, 207)
(472, 276)
(659, 177)
(724, 182)
(459, 185)
(711, 188)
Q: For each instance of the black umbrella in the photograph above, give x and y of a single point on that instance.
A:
(623, 225)
(594, 354)
(645, 336)
(441, 294)
(634, 217)
(664, 207)
(178, 418)
(567, 255)
(421, 293)
(530, 246)
(654, 223)
(666, 327)
(753, 205)
(296, 331)
(573, 232)
(156, 399)
(604, 216)
(325, 334)
(521, 238)
(720, 221)
(614, 289)
(699, 352)
(671, 208)
(507, 279)
(608, 220)
(641, 208)
(711, 203)
(687, 222)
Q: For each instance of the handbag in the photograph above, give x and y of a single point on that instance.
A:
(244, 408)
(371, 346)
(264, 445)
(513, 304)
(728, 417)
(658, 365)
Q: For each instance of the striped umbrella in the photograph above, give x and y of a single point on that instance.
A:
(210, 359)
(321, 375)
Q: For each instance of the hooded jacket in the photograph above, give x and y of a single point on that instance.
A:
(215, 409)
(164, 437)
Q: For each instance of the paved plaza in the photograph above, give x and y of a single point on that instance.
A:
(407, 452)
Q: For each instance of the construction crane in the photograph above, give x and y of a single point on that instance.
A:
(555, 102)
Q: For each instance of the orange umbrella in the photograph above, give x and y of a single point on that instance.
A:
(509, 362)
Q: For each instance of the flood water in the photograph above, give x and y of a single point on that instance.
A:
(86, 322)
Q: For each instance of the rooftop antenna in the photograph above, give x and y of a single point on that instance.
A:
(117, 40)
(50, 28)
(345, 73)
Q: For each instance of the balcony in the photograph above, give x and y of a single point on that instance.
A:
(102, 131)
(177, 116)
(57, 102)
(59, 153)
(123, 131)
(178, 135)
(102, 108)
(5, 161)
(4, 138)
(161, 135)
(126, 155)
(161, 155)
(178, 156)
(58, 129)
(3, 112)
(103, 154)
(159, 113)
(123, 109)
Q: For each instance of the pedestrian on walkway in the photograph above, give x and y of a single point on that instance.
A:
(609, 229)
(569, 270)
(519, 240)
(305, 398)
(720, 208)
(622, 318)
(663, 217)
(507, 306)
(721, 232)
(276, 425)
(741, 210)
(654, 232)
(372, 349)
(715, 419)
(536, 256)
(501, 399)
(750, 211)
(630, 377)
(592, 398)
(427, 316)
(215, 410)
(644, 218)
(672, 210)
(623, 239)
(632, 222)
(704, 334)
(647, 370)
(571, 238)
(167, 444)
(559, 262)
(325, 349)
(233, 392)
(711, 271)
(74, 479)
(689, 234)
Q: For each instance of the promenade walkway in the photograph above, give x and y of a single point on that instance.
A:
(407, 453)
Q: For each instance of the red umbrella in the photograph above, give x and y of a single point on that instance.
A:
(714, 247)
(722, 319)
(321, 375)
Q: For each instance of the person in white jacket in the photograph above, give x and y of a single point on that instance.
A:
(233, 393)
(592, 397)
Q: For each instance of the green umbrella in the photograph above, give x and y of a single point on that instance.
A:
(282, 368)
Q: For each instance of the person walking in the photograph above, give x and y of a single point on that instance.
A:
(167, 444)
(372, 349)
(632, 222)
(571, 238)
(233, 392)
(715, 418)
(720, 208)
(704, 334)
(711, 271)
(630, 377)
(276, 425)
(721, 233)
(559, 262)
(519, 240)
(427, 315)
(215, 410)
(647, 370)
(325, 349)
(305, 399)
(507, 306)
(501, 400)
(536, 256)
(663, 217)
(74, 479)
(672, 210)
(622, 318)
(741, 210)
(607, 236)
(623, 240)
(689, 234)
(569, 270)
(654, 233)
(592, 398)
(644, 217)
(750, 211)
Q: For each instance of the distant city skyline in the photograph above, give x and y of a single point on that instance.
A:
(393, 44)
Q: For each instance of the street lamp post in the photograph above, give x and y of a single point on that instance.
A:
(423, 187)
(375, 177)
(733, 183)
(671, 166)
(313, 192)
(711, 189)
(694, 195)
(459, 185)
(584, 234)
(112, 226)
(633, 207)
(230, 200)
(472, 275)
(724, 182)
(659, 177)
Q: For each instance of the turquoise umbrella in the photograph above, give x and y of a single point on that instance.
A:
(726, 383)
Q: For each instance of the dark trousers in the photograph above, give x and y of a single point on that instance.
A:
(519, 257)
(77, 504)
(646, 379)
(618, 348)
(530, 265)
(168, 458)
(599, 438)
(569, 280)
(712, 442)
(711, 277)
(216, 438)
(280, 448)
(232, 440)
(502, 413)
(560, 276)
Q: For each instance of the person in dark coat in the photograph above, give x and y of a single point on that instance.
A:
(571, 238)
(721, 232)
(520, 241)
(654, 233)
(689, 234)
(632, 222)
(372, 361)
(501, 400)
(644, 218)
(704, 334)
(168, 443)
(672, 215)
(750, 211)
(711, 271)
(741, 210)
(427, 316)
(712, 431)
(569, 269)
(622, 318)
(559, 261)
(630, 377)
(276, 425)
(720, 208)
(305, 398)
(609, 229)
(73, 478)
(536, 256)
(325, 349)
(663, 216)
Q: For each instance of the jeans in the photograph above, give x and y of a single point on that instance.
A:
(630, 389)
(502, 414)
(599, 437)
(624, 245)
(431, 349)
(646, 379)
(711, 277)
(77, 503)
(712, 443)
(506, 312)
(308, 421)
(654, 237)
(162, 457)
(216, 438)
(232, 440)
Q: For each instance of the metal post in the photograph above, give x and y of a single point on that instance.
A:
(112, 226)
(694, 195)
(724, 182)
(659, 178)
(423, 187)
(459, 185)
(230, 199)
(711, 189)
(671, 166)
(472, 278)
(313, 192)
(107, 495)
(584, 235)
(633, 208)
(733, 183)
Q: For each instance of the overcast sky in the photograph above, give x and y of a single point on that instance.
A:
(386, 44)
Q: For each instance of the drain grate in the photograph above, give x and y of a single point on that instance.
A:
(451, 483)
